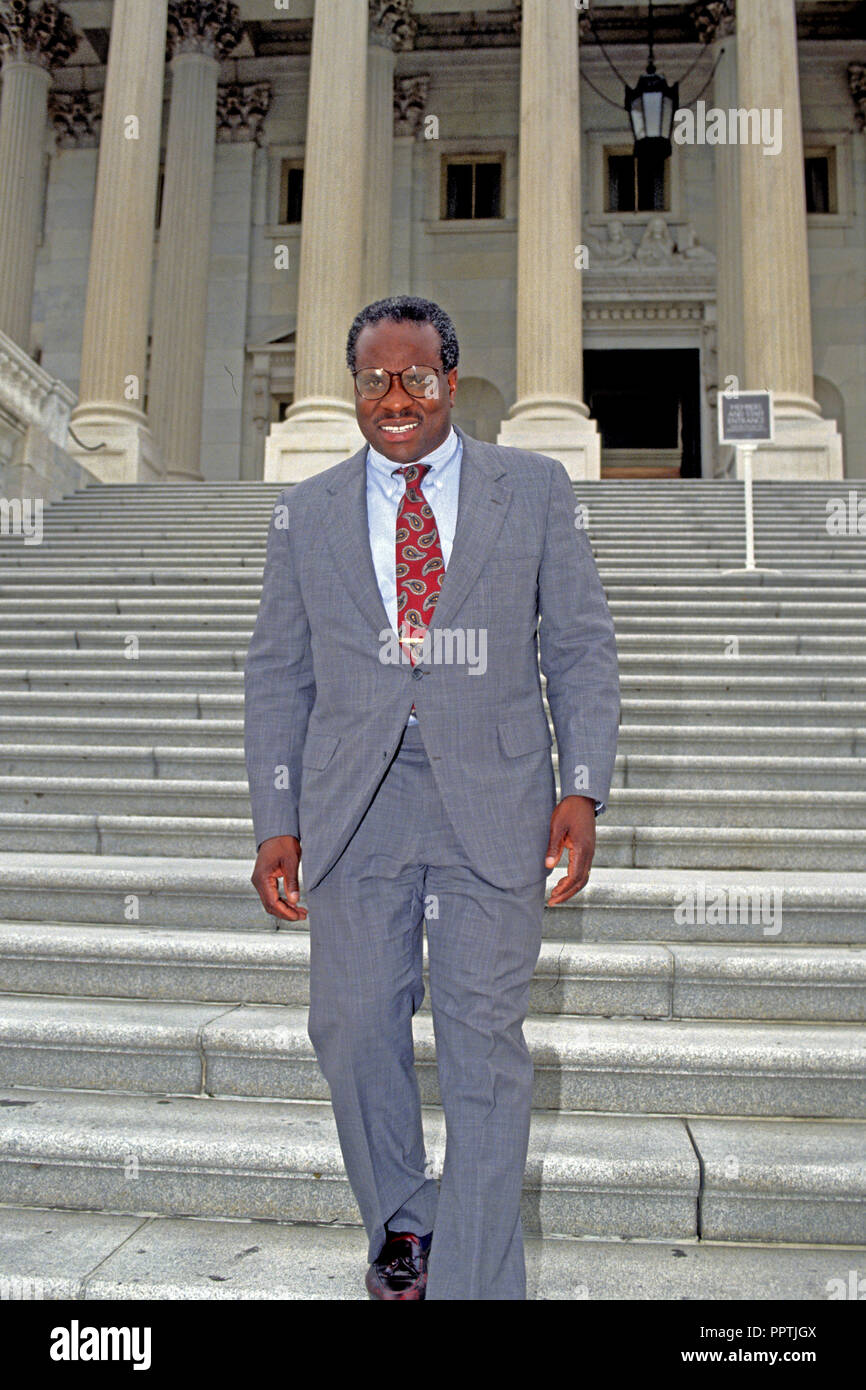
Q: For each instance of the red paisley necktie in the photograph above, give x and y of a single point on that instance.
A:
(420, 566)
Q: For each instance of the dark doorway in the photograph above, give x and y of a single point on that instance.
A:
(647, 404)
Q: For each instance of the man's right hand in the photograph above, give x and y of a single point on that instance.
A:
(278, 858)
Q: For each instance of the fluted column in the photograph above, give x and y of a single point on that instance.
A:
(114, 352)
(410, 105)
(716, 27)
(320, 427)
(549, 414)
(199, 35)
(33, 41)
(392, 28)
(777, 315)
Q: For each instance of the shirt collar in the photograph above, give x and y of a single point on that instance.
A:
(437, 460)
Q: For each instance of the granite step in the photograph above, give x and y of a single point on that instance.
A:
(735, 681)
(743, 806)
(768, 908)
(634, 1066)
(103, 626)
(694, 770)
(673, 846)
(677, 980)
(107, 643)
(109, 735)
(834, 583)
(632, 1177)
(85, 1256)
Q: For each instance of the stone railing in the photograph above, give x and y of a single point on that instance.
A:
(34, 423)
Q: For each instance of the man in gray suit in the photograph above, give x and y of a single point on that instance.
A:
(395, 728)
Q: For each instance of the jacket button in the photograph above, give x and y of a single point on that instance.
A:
(417, 673)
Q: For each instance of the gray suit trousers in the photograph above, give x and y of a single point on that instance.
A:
(366, 936)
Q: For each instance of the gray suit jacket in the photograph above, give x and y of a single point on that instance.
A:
(325, 709)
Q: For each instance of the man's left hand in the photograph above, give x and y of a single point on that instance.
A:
(572, 825)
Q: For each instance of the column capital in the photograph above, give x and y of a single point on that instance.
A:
(211, 27)
(857, 88)
(410, 103)
(241, 110)
(76, 118)
(714, 20)
(42, 34)
(392, 24)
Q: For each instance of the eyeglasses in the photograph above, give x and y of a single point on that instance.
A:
(372, 383)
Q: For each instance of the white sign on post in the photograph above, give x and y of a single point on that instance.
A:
(746, 417)
(746, 420)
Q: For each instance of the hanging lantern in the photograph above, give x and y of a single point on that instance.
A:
(651, 107)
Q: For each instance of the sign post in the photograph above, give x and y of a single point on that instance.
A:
(746, 420)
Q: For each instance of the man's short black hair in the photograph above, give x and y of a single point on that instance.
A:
(407, 308)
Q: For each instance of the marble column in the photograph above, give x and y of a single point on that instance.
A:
(716, 27)
(392, 28)
(199, 36)
(410, 105)
(320, 427)
(232, 430)
(777, 316)
(550, 415)
(32, 42)
(114, 355)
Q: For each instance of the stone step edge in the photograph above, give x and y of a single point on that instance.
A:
(663, 964)
(608, 836)
(804, 1146)
(852, 764)
(234, 1034)
(93, 1256)
(167, 873)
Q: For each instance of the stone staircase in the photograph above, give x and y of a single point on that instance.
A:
(697, 1013)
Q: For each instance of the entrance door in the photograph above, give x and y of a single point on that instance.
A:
(647, 404)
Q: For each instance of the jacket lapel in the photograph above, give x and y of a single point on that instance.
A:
(348, 533)
(482, 503)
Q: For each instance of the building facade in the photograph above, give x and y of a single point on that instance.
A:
(198, 196)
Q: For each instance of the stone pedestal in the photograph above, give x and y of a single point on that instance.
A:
(777, 320)
(550, 416)
(114, 354)
(323, 435)
(320, 427)
(806, 448)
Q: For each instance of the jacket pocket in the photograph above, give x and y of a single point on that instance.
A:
(319, 749)
(523, 735)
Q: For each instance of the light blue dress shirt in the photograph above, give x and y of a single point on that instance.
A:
(386, 486)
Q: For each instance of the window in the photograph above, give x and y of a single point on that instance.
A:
(821, 192)
(291, 190)
(636, 185)
(471, 187)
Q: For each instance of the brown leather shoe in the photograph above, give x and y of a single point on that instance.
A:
(400, 1269)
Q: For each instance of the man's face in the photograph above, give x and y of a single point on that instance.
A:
(403, 427)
